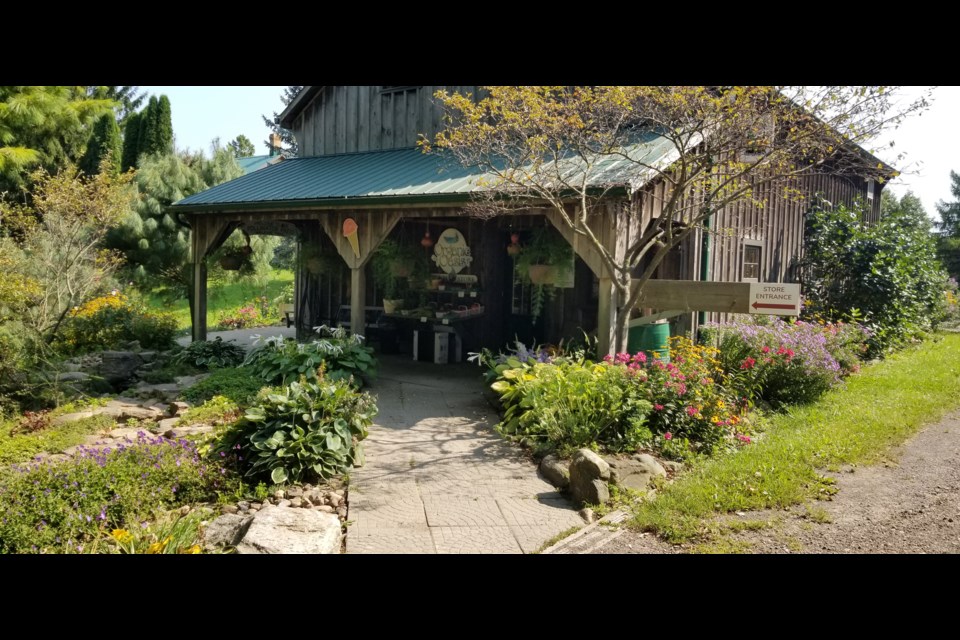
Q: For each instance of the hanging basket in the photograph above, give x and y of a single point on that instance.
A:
(392, 306)
(231, 263)
(541, 274)
(400, 269)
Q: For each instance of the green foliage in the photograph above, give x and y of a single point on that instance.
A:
(169, 534)
(545, 247)
(568, 405)
(395, 264)
(238, 385)
(949, 212)
(47, 507)
(212, 354)
(856, 423)
(216, 410)
(111, 320)
(104, 144)
(886, 273)
(306, 430)
(46, 127)
(131, 142)
(241, 147)
(256, 313)
(948, 250)
(156, 128)
(343, 355)
(20, 447)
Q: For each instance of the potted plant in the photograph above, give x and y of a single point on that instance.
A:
(234, 258)
(546, 258)
(395, 265)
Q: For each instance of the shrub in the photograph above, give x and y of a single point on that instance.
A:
(216, 410)
(256, 313)
(341, 354)
(569, 405)
(112, 319)
(783, 363)
(168, 535)
(886, 272)
(51, 506)
(308, 429)
(211, 354)
(238, 385)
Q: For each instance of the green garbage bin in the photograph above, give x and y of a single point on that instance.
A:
(654, 339)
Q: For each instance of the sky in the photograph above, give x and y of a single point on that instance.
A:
(930, 141)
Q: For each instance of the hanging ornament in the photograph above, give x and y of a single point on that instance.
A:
(515, 238)
(426, 241)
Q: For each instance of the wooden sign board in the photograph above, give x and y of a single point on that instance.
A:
(722, 297)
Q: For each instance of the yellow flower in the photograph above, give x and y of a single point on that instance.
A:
(121, 535)
(158, 547)
(193, 550)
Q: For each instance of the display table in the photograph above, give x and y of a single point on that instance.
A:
(436, 339)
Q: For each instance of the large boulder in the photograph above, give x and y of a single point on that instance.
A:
(226, 531)
(555, 471)
(123, 409)
(589, 474)
(118, 367)
(285, 530)
(636, 472)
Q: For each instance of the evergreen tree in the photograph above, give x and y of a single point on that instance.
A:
(949, 212)
(241, 147)
(131, 142)
(128, 100)
(164, 137)
(289, 143)
(149, 127)
(104, 139)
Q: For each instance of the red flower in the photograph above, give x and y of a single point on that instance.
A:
(692, 411)
(668, 436)
(748, 363)
(765, 349)
(658, 407)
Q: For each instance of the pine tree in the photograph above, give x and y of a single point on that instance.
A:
(241, 147)
(289, 143)
(950, 211)
(164, 140)
(131, 142)
(148, 127)
(104, 139)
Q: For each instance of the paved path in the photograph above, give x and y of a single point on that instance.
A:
(438, 479)
(244, 337)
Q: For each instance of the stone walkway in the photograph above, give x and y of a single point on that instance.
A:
(244, 337)
(438, 479)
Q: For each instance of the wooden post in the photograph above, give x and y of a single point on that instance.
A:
(606, 317)
(358, 301)
(200, 300)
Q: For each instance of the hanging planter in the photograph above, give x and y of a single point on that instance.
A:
(400, 269)
(541, 274)
(231, 262)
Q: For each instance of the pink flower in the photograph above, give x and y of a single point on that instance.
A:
(744, 439)
(681, 389)
(765, 349)
(640, 357)
(658, 407)
(692, 411)
(608, 358)
(623, 358)
(748, 363)
(668, 436)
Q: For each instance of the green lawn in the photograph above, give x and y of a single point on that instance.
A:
(220, 298)
(857, 423)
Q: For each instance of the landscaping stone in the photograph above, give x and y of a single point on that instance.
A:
(333, 500)
(162, 391)
(296, 531)
(166, 424)
(555, 471)
(189, 381)
(636, 472)
(588, 475)
(243, 504)
(182, 432)
(652, 464)
(118, 367)
(148, 356)
(283, 503)
(226, 531)
(123, 409)
(72, 417)
(229, 508)
(296, 502)
(315, 497)
(325, 508)
(588, 515)
(70, 367)
(180, 407)
(126, 432)
(74, 376)
(294, 492)
(672, 466)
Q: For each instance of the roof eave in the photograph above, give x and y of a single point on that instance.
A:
(286, 118)
(322, 203)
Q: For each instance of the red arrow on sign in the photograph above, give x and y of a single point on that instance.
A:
(763, 305)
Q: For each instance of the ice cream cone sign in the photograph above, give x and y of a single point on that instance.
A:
(350, 233)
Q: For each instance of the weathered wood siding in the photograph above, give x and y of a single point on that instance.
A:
(345, 119)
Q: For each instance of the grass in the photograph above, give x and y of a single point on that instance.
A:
(237, 384)
(220, 298)
(24, 446)
(557, 538)
(856, 423)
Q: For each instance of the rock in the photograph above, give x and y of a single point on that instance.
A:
(126, 433)
(148, 356)
(225, 531)
(74, 376)
(70, 367)
(72, 417)
(283, 503)
(243, 504)
(342, 511)
(333, 500)
(296, 531)
(188, 381)
(181, 407)
(229, 508)
(588, 515)
(296, 502)
(636, 473)
(278, 494)
(163, 391)
(339, 494)
(185, 510)
(118, 367)
(182, 432)
(652, 464)
(315, 497)
(673, 467)
(325, 508)
(123, 409)
(294, 492)
(255, 505)
(165, 408)
(588, 475)
(555, 471)
(133, 345)
(166, 424)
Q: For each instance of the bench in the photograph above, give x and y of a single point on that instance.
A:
(287, 310)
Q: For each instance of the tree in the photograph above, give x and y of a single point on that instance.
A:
(131, 143)
(950, 211)
(288, 141)
(128, 100)
(104, 142)
(552, 147)
(44, 127)
(156, 128)
(241, 147)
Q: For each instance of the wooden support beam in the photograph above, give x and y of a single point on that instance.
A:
(606, 316)
(691, 295)
(372, 228)
(207, 234)
(358, 296)
(200, 301)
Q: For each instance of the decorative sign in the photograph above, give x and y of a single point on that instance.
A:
(775, 298)
(350, 233)
(451, 252)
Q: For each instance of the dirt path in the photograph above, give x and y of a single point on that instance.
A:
(911, 505)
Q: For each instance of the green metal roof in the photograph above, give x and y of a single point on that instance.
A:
(402, 175)
(253, 163)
